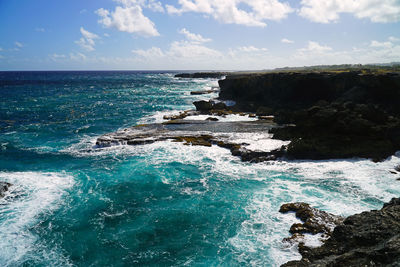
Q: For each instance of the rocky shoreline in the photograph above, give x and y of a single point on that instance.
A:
(320, 115)
(371, 238)
(332, 114)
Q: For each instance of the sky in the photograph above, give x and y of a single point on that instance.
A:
(196, 34)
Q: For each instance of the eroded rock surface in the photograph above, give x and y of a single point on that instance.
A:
(371, 238)
(315, 221)
(196, 132)
(333, 114)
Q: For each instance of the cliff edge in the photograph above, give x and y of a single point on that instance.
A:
(328, 114)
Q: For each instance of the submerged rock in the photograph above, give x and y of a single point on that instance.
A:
(4, 186)
(212, 119)
(371, 238)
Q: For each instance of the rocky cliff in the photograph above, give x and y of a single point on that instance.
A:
(371, 238)
(336, 114)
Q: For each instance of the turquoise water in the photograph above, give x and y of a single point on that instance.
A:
(163, 204)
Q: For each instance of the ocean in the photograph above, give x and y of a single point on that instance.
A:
(160, 204)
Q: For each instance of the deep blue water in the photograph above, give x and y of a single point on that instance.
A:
(163, 204)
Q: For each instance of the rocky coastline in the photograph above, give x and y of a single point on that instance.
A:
(320, 115)
(371, 238)
(331, 114)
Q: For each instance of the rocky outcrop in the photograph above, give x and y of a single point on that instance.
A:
(340, 130)
(293, 91)
(4, 188)
(216, 75)
(315, 221)
(206, 106)
(370, 238)
(329, 114)
(196, 133)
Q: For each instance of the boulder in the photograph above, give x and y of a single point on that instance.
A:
(203, 106)
(219, 106)
(4, 186)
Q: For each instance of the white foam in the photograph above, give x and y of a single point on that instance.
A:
(258, 141)
(342, 187)
(226, 118)
(38, 194)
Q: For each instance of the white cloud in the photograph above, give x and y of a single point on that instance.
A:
(153, 5)
(287, 41)
(56, 57)
(373, 52)
(189, 55)
(151, 53)
(328, 10)
(194, 37)
(18, 45)
(381, 44)
(180, 54)
(1, 49)
(394, 39)
(77, 56)
(129, 17)
(87, 40)
(315, 47)
(106, 35)
(40, 29)
(184, 49)
(231, 11)
(251, 49)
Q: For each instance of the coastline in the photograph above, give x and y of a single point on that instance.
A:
(357, 118)
(197, 175)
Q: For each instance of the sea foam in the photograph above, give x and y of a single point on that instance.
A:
(31, 195)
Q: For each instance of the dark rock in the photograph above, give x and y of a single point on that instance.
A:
(397, 168)
(219, 106)
(335, 114)
(269, 118)
(367, 239)
(187, 131)
(264, 111)
(4, 186)
(181, 115)
(314, 220)
(202, 140)
(203, 106)
(212, 119)
(202, 92)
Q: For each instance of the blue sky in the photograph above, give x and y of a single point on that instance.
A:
(196, 34)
